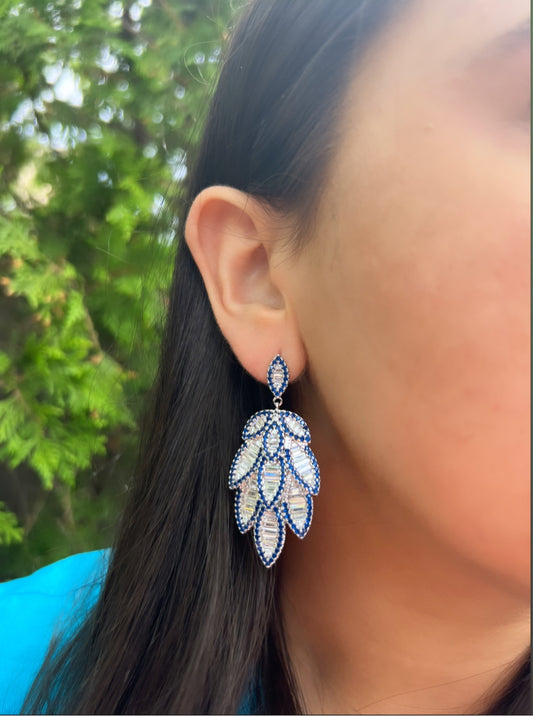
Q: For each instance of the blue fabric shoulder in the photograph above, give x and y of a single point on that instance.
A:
(32, 609)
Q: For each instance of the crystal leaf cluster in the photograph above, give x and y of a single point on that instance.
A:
(274, 473)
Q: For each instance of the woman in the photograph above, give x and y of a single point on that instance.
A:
(359, 205)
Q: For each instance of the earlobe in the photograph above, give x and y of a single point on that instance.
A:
(231, 237)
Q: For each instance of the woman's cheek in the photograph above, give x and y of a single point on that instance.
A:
(423, 303)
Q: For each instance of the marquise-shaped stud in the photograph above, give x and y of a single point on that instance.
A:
(244, 461)
(246, 503)
(269, 535)
(271, 480)
(298, 507)
(278, 376)
(304, 467)
(256, 424)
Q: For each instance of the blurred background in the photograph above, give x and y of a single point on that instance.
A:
(100, 104)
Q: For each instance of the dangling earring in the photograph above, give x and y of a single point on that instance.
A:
(275, 473)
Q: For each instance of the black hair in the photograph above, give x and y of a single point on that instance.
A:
(187, 621)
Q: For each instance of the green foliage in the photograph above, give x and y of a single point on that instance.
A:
(99, 101)
(10, 532)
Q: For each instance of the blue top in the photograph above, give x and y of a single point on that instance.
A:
(32, 608)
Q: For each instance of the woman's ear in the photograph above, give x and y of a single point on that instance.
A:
(232, 238)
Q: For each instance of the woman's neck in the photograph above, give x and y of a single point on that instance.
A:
(382, 618)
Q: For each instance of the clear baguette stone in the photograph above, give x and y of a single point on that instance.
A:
(246, 460)
(277, 377)
(268, 533)
(256, 424)
(270, 480)
(297, 504)
(273, 440)
(303, 465)
(248, 501)
(295, 426)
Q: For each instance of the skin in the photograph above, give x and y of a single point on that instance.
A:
(406, 319)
